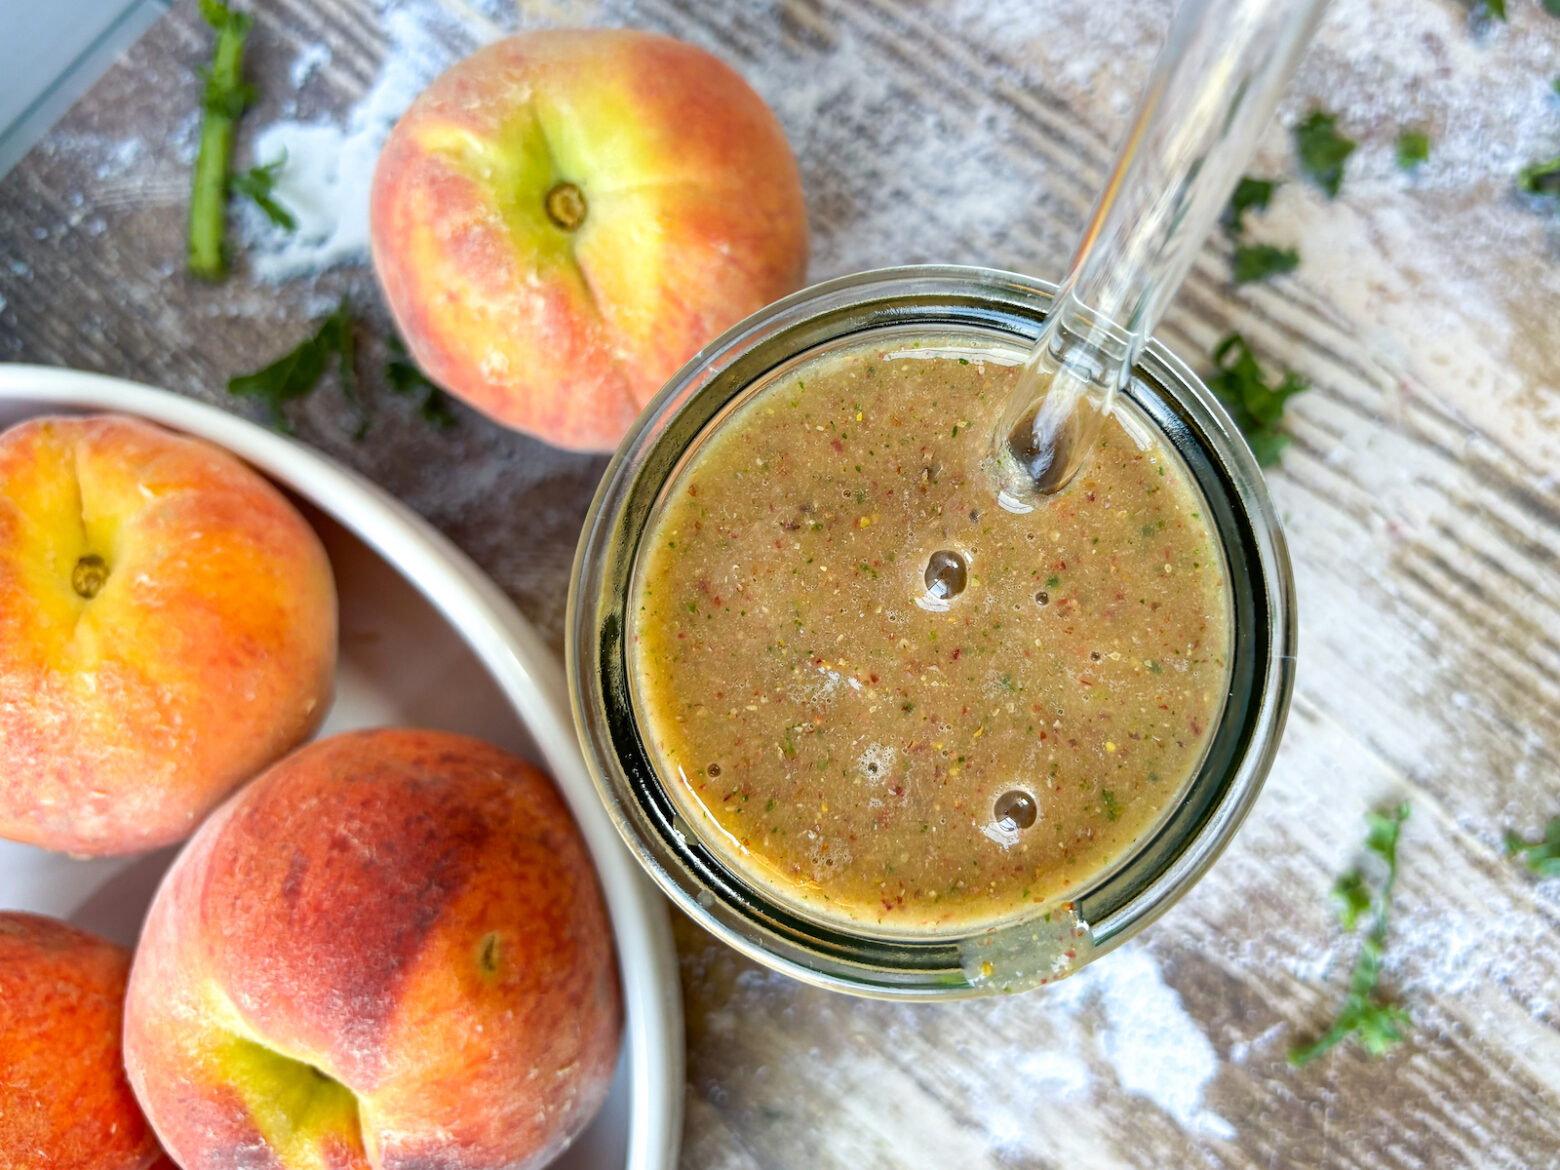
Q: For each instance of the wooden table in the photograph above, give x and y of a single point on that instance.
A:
(1420, 496)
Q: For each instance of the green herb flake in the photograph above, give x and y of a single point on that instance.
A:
(1542, 857)
(1259, 261)
(297, 372)
(223, 99)
(1541, 178)
(1378, 1025)
(1495, 9)
(1239, 383)
(1250, 195)
(407, 380)
(1323, 150)
(1413, 148)
(256, 184)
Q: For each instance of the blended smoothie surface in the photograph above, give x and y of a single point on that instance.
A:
(886, 700)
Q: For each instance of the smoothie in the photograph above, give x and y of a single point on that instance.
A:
(889, 702)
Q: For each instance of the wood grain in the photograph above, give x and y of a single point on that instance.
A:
(1420, 498)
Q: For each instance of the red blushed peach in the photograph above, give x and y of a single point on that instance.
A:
(388, 951)
(561, 220)
(167, 629)
(64, 1100)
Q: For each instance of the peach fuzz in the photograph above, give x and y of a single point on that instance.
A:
(388, 951)
(561, 220)
(64, 1100)
(169, 630)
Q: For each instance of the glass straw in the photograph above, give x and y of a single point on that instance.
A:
(1213, 89)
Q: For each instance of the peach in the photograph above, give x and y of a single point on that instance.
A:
(561, 220)
(64, 1100)
(388, 951)
(169, 629)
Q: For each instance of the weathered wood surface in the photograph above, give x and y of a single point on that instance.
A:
(1420, 496)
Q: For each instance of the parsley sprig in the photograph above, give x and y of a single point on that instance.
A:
(1259, 261)
(257, 184)
(298, 371)
(225, 97)
(1255, 261)
(1257, 407)
(1541, 178)
(1251, 194)
(1542, 857)
(1378, 1025)
(1322, 150)
(406, 379)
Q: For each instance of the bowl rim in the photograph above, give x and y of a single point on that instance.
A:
(530, 676)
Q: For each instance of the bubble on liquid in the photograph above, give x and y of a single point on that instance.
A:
(947, 573)
(1043, 598)
(1016, 808)
(713, 770)
(877, 762)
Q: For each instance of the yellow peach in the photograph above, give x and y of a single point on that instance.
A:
(561, 220)
(167, 629)
(388, 951)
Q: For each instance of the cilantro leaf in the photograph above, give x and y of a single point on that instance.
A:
(1259, 261)
(257, 184)
(1551, 6)
(1323, 150)
(1541, 178)
(224, 97)
(1377, 1025)
(297, 372)
(1413, 148)
(1496, 8)
(1250, 195)
(1239, 383)
(407, 379)
(1353, 898)
(1542, 857)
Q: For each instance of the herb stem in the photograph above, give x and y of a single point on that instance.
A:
(224, 99)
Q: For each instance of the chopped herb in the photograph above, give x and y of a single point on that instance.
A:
(1256, 407)
(1496, 8)
(1551, 6)
(407, 379)
(1323, 150)
(1259, 261)
(1413, 148)
(257, 184)
(1250, 195)
(1542, 857)
(1541, 178)
(1052, 581)
(296, 373)
(224, 98)
(1378, 1024)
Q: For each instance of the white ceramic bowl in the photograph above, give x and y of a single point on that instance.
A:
(426, 640)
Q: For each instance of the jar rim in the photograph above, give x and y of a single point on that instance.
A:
(1009, 955)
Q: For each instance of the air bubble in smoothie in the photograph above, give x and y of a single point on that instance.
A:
(946, 574)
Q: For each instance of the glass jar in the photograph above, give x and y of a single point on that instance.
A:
(1053, 940)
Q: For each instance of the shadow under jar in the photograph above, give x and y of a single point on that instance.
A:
(900, 780)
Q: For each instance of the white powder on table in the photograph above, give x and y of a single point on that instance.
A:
(310, 58)
(330, 166)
